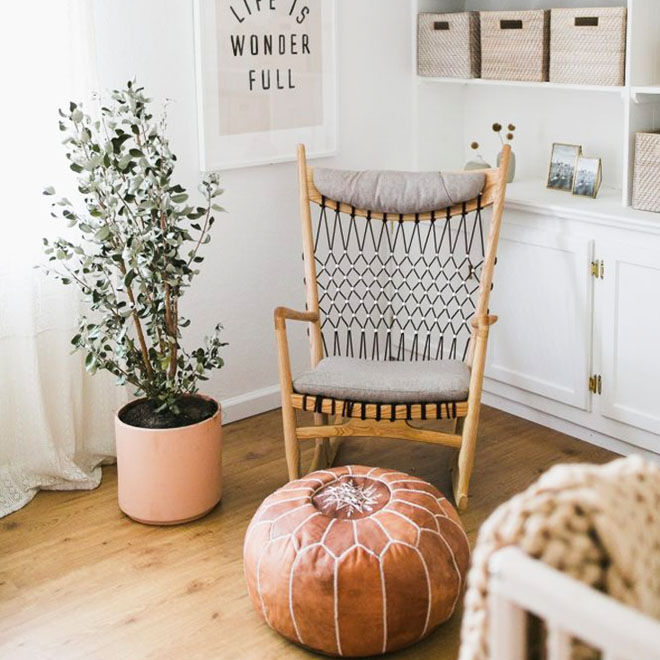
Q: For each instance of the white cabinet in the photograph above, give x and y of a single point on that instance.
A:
(543, 296)
(562, 322)
(629, 325)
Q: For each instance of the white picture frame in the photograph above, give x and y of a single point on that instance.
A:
(224, 61)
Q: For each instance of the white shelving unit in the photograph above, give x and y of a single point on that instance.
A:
(452, 112)
(577, 277)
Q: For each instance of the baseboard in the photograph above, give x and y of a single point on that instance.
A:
(250, 403)
(564, 426)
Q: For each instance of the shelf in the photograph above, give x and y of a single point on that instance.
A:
(481, 82)
(607, 208)
(645, 93)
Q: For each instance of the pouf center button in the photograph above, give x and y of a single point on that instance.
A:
(351, 497)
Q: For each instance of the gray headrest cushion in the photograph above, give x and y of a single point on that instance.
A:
(398, 192)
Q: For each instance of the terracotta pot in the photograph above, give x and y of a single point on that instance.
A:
(169, 476)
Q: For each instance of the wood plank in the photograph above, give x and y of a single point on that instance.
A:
(80, 580)
(384, 429)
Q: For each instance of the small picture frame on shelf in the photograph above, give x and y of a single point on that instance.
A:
(563, 161)
(588, 176)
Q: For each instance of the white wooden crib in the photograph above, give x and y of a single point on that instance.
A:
(519, 584)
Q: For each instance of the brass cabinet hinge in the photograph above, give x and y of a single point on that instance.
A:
(596, 384)
(598, 268)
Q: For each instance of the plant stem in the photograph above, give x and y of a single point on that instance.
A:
(171, 322)
(138, 325)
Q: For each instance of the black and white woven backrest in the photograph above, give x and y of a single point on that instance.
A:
(391, 288)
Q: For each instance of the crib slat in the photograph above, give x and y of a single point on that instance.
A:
(507, 629)
(558, 644)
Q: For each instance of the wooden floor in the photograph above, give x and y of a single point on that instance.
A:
(80, 580)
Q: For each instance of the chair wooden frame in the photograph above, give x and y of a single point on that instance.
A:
(364, 421)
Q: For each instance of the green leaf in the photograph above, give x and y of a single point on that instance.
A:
(102, 233)
(90, 363)
(129, 277)
(49, 191)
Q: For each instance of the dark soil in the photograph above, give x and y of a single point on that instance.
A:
(193, 409)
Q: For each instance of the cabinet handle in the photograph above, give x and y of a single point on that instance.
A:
(441, 25)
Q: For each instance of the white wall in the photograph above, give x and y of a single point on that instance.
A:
(253, 262)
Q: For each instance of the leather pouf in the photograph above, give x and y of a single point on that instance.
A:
(355, 561)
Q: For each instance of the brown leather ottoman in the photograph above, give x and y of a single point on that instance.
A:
(355, 561)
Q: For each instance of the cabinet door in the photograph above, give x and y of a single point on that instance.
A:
(543, 297)
(629, 325)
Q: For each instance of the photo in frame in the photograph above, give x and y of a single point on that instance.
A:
(588, 177)
(563, 162)
(266, 80)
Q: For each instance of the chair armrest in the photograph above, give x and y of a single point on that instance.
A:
(483, 321)
(282, 314)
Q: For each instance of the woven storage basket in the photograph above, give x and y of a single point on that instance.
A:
(448, 45)
(515, 45)
(588, 46)
(646, 180)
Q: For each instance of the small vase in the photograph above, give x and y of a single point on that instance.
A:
(477, 164)
(512, 166)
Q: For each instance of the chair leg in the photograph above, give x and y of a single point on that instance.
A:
(325, 449)
(320, 458)
(333, 447)
(291, 446)
(465, 459)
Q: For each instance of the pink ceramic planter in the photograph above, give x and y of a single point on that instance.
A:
(169, 476)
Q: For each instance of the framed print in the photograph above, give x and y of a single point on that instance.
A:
(266, 80)
(561, 174)
(588, 175)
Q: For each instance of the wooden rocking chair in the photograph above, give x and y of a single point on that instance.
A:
(397, 303)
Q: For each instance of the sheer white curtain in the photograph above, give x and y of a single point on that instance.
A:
(56, 422)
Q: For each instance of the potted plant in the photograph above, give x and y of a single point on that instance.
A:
(134, 254)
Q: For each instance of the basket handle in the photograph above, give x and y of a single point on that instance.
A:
(441, 25)
(511, 25)
(586, 21)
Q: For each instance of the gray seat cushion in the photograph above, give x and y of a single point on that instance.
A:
(398, 192)
(386, 382)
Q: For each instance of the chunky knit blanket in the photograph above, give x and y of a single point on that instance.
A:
(598, 524)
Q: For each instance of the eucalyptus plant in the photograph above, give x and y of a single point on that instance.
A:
(136, 248)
